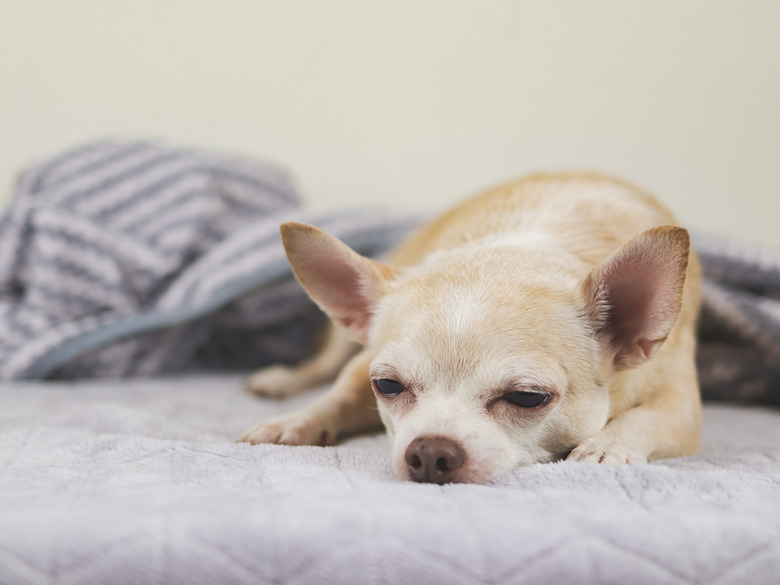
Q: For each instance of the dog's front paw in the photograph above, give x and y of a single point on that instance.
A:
(275, 381)
(296, 428)
(597, 450)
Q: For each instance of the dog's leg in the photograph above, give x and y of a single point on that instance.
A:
(349, 407)
(667, 424)
(279, 380)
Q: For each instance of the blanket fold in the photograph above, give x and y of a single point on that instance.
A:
(127, 258)
(121, 258)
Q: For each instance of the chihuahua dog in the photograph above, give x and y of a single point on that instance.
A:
(552, 317)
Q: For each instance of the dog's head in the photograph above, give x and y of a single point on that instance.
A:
(487, 358)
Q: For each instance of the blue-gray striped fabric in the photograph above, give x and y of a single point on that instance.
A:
(126, 258)
(739, 333)
(123, 258)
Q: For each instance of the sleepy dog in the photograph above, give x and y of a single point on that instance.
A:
(552, 317)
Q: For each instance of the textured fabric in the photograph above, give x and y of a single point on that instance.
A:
(739, 338)
(139, 482)
(130, 258)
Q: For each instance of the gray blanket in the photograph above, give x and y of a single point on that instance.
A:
(126, 259)
(134, 482)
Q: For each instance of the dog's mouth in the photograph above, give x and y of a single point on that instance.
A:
(441, 460)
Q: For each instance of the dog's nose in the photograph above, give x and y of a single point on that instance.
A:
(433, 459)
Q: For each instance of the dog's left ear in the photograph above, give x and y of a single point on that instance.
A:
(633, 298)
(346, 285)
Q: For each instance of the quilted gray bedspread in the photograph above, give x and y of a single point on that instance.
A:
(139, 482)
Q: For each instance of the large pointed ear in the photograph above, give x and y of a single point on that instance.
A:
(633, 298)
(346, 285)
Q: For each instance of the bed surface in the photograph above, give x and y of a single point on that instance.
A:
(140, 482)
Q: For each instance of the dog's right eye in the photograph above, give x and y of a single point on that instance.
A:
(388, 387)
(527, 399)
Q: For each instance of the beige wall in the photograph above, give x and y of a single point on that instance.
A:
(418, 103)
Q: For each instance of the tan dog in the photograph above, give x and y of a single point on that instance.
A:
(550, 317)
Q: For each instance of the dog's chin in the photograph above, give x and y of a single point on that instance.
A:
(486, 470)
(462, 476)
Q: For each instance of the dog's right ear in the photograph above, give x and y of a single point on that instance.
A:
(346, 285)
(635, 295)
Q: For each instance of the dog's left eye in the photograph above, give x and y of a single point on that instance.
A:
(388, 387)
(527, 399)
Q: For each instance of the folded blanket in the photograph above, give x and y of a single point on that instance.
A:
(739, 327)
(131, 258)
(123, 258)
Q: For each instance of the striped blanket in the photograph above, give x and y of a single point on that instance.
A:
(122, 258)
(126, 259)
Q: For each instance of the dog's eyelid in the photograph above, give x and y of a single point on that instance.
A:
(380, 371)
(387, 372)
(526, 387)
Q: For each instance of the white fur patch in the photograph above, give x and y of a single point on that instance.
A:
(530, 239)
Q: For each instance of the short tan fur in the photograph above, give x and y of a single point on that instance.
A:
(573, 289)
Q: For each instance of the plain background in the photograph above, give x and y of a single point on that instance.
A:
(418, 103)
